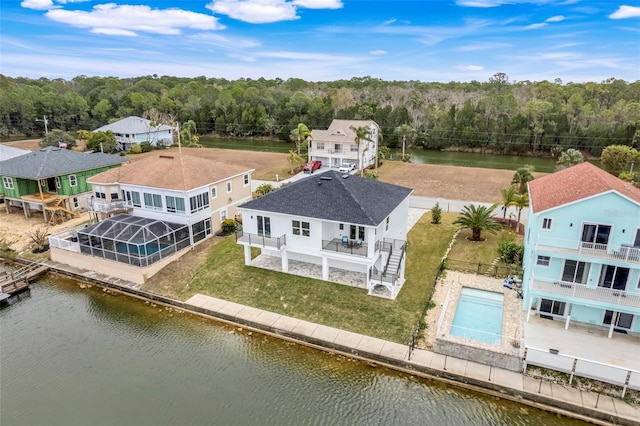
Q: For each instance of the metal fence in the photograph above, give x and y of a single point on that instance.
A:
(627, 378)
(419, 326)
(480, 268)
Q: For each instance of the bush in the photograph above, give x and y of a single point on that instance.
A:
(371, 174)
(146, 146)
(436, 214)
(135, 149)
(263, 189)
(229, 226)
(509, 249)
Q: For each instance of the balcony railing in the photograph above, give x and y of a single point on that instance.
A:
(257, 240)
(351, 247)
(624, 252)
(336, 151)
(600, 294)
(98, 205)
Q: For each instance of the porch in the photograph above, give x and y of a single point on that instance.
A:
(351, 247)
(623, 252)
(261, 240)
(598, 294)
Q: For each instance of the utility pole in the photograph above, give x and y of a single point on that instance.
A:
(178, 130)
(46, 122)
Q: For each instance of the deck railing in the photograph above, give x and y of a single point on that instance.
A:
(623, 252)
(351, 247)
(600, 294)
(98, 205)
(261, 240)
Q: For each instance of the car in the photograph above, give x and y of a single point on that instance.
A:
(311, 166)
(347, 167)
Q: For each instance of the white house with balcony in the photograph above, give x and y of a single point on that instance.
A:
(582, 249)
(134, 130)
(338, 145)
(332, 222)
(147, 212)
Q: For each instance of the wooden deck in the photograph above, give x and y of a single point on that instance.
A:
(16, 281)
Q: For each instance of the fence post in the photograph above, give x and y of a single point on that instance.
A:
(479, 268)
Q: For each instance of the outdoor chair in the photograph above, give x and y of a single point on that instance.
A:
(358, 243)
(345, 241)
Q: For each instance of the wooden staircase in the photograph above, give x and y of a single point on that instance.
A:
(58, 211)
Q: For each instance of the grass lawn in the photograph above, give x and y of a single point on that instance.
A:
(465, 255)
(223, 274)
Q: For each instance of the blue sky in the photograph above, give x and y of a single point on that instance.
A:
(323, 40)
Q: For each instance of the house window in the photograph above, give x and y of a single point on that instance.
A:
(614, 277)
(214, 193)
(595, 236)
(341, 226)
(552, 307)
(7, 182)
(300, 228)
(43, 183)
(201, 230)
(153, 201)
(175, 204)
(73, 180)
(228, 187)
(354, 148)
(337, 148)
(386, 224)
(543, 261)
(622, 320)
(58, 183)
(76, 203)
(114, 194)
(132, 198)
(223, 215)
(546, 223)
(246, 180)
(199, 202)
(99, 192)
(356, 232)
(264, 226)
(575, 272)
(320, 145)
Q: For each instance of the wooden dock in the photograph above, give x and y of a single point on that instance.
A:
(16, 281)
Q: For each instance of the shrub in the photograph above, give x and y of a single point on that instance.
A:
(135, 149)
(436, 214)
(509, 249)
(371, 174)
(229, 226)
(146, 146)
(263, 189)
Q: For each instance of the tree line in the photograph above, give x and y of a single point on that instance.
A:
(499, 115)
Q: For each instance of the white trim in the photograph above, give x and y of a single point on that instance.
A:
(611, 191)
(73, 180)
(7, 182)
(549, 222)
(542, 264)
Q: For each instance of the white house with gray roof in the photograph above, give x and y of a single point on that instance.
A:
(338, 145)
(332, 225)
(132, 130)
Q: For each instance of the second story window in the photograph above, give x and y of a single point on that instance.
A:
(228, 186)
(153, 201)
(132, 198)
(320, 145)
(99, 192)
(214, 193)
(199, 202)
(7, 182)
(354, 148)
(546, 223)
(301, 228)
(175, 204)
(73, 180)
(245, 179)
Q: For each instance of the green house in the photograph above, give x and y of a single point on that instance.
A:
(52, 180)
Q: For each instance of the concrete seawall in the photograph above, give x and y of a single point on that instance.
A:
(571, 402)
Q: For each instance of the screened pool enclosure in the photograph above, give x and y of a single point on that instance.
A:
(133, 240)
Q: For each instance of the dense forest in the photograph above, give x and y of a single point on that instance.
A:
(499, 115)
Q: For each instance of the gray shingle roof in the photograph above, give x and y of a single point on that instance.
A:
(8, 152)
(330, 196)
(51, 161)
(132, 126)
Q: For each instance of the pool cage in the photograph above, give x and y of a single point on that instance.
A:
(133, 240)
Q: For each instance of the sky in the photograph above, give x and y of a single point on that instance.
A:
(323, 40)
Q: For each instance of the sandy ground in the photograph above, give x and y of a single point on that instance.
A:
(461, 183)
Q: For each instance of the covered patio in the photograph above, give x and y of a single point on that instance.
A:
(133, 240)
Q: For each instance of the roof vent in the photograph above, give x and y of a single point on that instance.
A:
(325, 177)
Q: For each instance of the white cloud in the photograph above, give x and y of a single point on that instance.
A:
(470, 67)
(126, 20)
(378, 52)
(483, 46)
(319, 4)
(37, 4)
(557, 18)
(255, 11)
(535, 26)
(624, 12)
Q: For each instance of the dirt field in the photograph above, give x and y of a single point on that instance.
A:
(461, 183)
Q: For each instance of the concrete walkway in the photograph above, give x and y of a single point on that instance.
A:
(503, 383)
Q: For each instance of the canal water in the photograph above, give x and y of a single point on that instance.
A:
(74, 356)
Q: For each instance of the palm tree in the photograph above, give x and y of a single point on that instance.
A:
(522, 177)
(477, 218)
(403, 131)
(508, 197)
(363, 133)
(299, 134)
(521, 201)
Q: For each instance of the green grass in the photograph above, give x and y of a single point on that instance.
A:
(465, 255)
(224, 275)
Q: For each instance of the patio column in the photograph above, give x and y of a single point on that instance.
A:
(285, 261)
(614, 318)
(25, 210)
(247, 255)
(325, 269)
(529, 307)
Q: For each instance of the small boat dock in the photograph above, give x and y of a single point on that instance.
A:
(16, 281)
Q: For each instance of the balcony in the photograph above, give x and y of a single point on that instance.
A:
(336, 151)
(599, 294)
(625, 252)
(256, 240)
(101, 206)
(351, 248)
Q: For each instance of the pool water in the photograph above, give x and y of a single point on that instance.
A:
(479, 315)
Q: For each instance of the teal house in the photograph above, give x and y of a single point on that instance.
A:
(582, 250)
(52, 180)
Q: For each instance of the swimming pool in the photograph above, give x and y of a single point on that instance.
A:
(478, 315)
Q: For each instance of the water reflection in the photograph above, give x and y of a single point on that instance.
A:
(83, 356)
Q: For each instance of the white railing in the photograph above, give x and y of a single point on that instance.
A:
(257, 240)
(576, 366)
(600, 294)
(98, 205)
(66, 241)
(624, 252)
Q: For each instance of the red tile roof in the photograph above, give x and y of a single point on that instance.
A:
(576, 183)
(170, 171)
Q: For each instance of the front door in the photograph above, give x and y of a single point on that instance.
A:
(51, 185)
(619, 319)
(264, 226)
